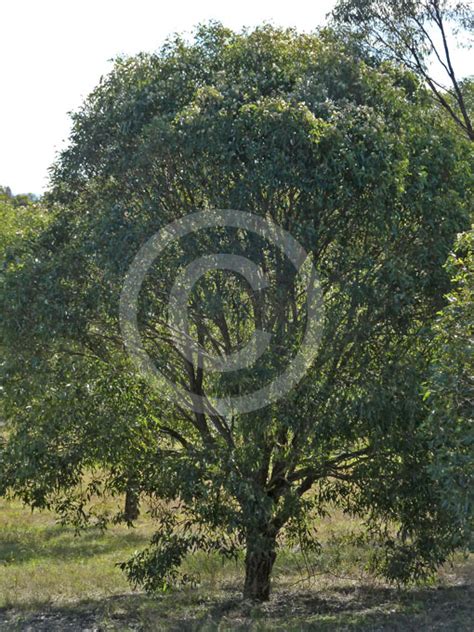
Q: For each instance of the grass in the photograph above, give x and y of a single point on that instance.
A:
(42, 562)
(51, 579)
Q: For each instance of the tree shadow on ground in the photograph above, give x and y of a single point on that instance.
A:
(333, 609)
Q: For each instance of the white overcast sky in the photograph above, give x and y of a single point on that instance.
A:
(53, 52)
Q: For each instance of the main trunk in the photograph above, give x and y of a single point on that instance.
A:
(259, 561)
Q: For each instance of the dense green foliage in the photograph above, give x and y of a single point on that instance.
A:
(354, 161)
(450, 389)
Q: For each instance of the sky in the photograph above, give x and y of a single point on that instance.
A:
(53, 53)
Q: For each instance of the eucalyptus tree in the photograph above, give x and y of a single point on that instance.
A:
(423, 36)
(352, 161)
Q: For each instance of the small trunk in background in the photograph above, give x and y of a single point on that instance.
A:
(132, 505)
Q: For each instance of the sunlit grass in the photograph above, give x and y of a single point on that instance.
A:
(42, 561)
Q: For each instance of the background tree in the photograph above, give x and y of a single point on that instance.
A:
(357, 165)
(55, 378)
(21, 218)
(420, 34)
(450, 389)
